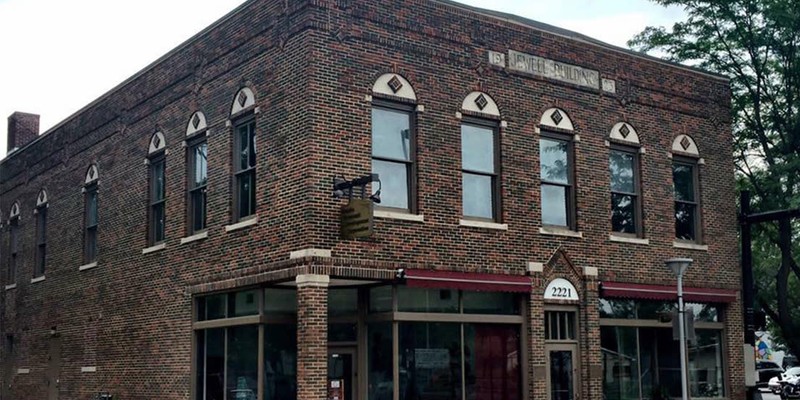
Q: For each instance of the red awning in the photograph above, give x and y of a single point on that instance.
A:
(423, 278)
(661, 292)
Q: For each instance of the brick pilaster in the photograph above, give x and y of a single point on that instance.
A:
(312, 336)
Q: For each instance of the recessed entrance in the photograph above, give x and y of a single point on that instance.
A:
(342, 373)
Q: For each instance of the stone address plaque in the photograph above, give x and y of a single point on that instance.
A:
(560, 289)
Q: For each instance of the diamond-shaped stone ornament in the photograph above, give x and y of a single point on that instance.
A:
(395, 84)
(156, 141)
(242, 99)
(196, 121)
(685, 143)
(556, 117)
(481, 102)
(624, 131)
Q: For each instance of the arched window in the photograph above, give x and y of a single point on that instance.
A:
(244, 155)
(90, 215)
(157, 164)
(13, 244)
(480, 158)
(557, 170)
(686, 181)
(623, 162)
(196, 173)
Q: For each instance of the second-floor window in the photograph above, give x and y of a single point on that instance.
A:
(90, 224)
(198, 178)
(244, 165)
(41, 241)
(623, 167)
(13, 249)
(479, 171)
(555, 161)
(687, 216)
(393, 156)
(157, 200)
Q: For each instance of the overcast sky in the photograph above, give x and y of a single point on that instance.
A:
(56, 56)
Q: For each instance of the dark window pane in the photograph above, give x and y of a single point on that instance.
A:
(342, 302)
(620, 361)
(213, 380)
(703, 312)
(612, 308)
(245, 141)
(683, 179)
(243, 303)
(157, 182)
(394, 183)
(477, 149)
(380, 361)
(91, 207)
(561, 376)
(213, 307)
(200, 172)
(553, 161)
(280, 362)
(246, 195)
(280, 302)
(705, 365)
(380, 299)
(198, 210)
(430, 361)
(427, 300)
(621, 164)
(41, 257)
(477, 196)
(623, 217)
(391, 137)
(91, 245)
(491, 362)
(158, 222)
(490, 303)
(342, 332)
(242, 362)
(685, 221)
(554, 205)
(41, 225)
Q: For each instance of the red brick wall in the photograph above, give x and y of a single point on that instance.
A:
(311, 64)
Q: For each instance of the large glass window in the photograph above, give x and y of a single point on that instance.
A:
(157, 209)
(393, 156)
(684, 178)
(90, 224)
(556, 180)
(479, 165)
(197, 174)
(430, 361)
(280, 361)
(41, 241)
(244, 165)
(380, 361)
(492, 362)
(13, 250)
(623, 165)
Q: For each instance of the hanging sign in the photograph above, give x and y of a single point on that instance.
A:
(560, 289)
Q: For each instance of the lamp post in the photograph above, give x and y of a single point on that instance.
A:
(678, 266)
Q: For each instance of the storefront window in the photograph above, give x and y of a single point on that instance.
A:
(280, 362)
(280, 302)
(380, 299)
(212, 307)
(427, 300)
(211, 364)
(705, 364)
(492, 362)
(430, 361)
(342, 302)
(242, 362)
(620, 309)
(620, 362)
(490, 303)
(380, 361)
(243, 303)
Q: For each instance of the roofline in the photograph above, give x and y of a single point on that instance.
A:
(132, 78)
(579, 37)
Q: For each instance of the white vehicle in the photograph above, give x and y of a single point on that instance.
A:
(775, 384)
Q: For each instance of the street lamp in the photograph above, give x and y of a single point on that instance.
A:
(678, 266)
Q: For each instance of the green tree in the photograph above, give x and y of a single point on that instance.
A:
(757, 44)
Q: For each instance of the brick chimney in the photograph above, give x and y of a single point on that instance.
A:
(22, 129)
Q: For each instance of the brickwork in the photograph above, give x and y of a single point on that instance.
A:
(312, 336)
(311, 65)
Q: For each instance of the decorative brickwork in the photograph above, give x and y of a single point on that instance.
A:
(312, 336)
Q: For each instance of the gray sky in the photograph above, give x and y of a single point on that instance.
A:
(59, 55)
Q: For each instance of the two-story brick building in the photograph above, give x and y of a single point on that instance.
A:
(178, 238)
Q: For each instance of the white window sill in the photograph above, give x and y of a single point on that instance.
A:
(310, 253)
(11, 286)
(242, 224)
(398, 215)
(88, 369)
(87, 266)
(483, 224)
(689, 246)
(628, 239)
(23, 371)
(560, 232)
(151, 249)
(37, 279)
(195, 237)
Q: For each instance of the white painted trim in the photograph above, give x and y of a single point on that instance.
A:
(535, 267)
(689, 246)
(88, 369)
(313, 280)
(309, 253)
(398, 215)
(590, 271)
(22, 371)
(11, 286)
(406, 90)
(87, 266)
(160, 246)
(37, 279)
(483, 224)
(625, 239)
(195, 237)
(560, 232)
(241, 224)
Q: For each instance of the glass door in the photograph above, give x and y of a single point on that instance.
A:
(562, 371)
(342, 382)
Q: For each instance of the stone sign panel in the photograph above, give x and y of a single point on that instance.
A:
(553, 69)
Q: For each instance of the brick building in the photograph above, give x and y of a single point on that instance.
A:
(178, 239)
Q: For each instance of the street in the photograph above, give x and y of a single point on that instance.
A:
(765, 394)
